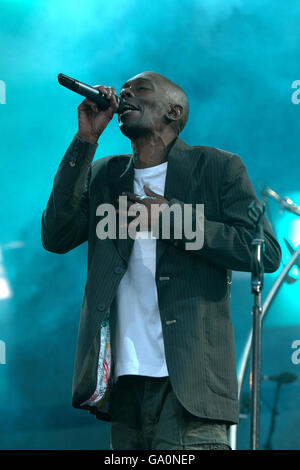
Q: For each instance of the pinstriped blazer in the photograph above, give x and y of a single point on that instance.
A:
(193, 287)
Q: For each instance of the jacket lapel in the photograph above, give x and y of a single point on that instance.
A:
(181, 165)
(121, 180)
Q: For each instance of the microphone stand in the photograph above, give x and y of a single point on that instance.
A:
(255, 212)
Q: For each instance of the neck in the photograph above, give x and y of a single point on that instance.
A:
(151, 150)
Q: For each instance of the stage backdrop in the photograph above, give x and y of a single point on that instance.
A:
(238, 61)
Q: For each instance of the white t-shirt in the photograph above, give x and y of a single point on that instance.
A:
(139, 340)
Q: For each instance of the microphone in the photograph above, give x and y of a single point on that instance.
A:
(89, 92)
(285, 202)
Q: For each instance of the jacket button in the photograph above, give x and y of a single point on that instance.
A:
(101, 307)
(119, 270)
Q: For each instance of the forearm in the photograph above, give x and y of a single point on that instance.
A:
(225, 245)
(71, 176)
(64, 221)
(230, 247)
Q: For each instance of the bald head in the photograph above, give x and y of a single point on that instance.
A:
(176, 96)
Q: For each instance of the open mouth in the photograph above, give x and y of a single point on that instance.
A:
(128, 108)
(127, 111)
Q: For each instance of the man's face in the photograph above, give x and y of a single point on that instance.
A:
(146, 93)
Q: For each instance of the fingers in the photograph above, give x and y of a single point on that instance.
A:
(110, 93)
(87, 105)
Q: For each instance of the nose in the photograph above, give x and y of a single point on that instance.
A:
(126, 92)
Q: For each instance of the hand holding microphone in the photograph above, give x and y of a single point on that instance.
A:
(91, 120)
(96, 110)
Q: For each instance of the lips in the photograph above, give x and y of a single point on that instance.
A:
(127, 108)
(128, 111)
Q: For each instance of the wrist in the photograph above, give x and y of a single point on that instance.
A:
(90, 138)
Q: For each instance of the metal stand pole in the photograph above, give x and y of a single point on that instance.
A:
(255, 376)
(255, 212)
(295, 257)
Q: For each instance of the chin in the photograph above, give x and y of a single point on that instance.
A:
(133, 131)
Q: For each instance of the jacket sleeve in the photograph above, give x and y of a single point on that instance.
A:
(65, 218)
(227, 243)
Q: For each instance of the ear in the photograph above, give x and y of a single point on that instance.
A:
(174, 112)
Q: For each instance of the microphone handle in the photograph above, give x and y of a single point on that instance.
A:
(87, 91)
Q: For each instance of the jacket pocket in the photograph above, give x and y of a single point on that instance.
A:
(220, 357)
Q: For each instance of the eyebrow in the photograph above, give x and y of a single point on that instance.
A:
(137, 79)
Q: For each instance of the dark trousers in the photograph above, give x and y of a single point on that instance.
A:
(146, 414)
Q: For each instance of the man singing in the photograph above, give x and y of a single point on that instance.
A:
(155, 353)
